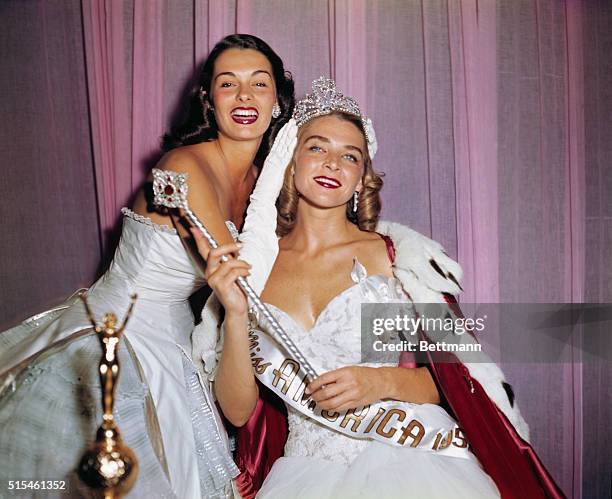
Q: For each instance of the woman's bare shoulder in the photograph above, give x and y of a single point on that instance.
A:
(204, 196)
(371, 250)
(184, 160)
(193, 163)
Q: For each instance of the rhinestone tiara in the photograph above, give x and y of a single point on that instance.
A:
(325, 99)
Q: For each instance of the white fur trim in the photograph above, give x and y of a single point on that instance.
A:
(424, 284)
(415, 252)
(491, 377)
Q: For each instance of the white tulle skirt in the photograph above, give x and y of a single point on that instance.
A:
(381, 472)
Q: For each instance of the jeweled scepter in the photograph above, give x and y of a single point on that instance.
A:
(170, 190)
(109, 465)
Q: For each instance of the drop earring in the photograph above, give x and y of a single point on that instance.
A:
(276, 110)
(355, 201)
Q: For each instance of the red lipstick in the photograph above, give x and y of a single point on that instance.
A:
(245, 115)
(327, 182)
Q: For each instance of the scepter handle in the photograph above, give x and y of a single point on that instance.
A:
(277, 329)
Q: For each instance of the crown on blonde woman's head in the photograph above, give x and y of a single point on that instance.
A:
(325, 99)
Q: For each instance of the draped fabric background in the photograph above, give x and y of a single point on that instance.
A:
(493, 119)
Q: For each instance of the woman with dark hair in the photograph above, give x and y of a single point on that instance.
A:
(242, 99)
(200, 123)
(391, 429)
(49, 386)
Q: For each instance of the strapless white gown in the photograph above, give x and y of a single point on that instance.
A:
(50, 398)
(320, 463)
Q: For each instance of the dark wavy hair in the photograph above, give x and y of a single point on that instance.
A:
(200, 124)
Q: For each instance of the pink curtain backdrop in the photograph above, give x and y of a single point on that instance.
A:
(147, 112)
(50, 239)
(109, 82)
(472, 29)
(575, 213)
(493, 121)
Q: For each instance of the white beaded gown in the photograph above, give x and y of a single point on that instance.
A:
(319, 463)
(50, 392)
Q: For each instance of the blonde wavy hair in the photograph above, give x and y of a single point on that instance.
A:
(369, 205)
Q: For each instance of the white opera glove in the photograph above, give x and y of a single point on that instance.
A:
(258, 236)
(260, 246)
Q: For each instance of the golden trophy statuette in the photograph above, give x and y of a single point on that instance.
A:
(109, 466)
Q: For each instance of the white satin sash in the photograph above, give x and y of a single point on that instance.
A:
(403, 424)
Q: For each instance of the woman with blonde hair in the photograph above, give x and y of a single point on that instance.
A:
(357, 430)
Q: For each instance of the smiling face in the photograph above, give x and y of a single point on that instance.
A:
(243, 93)
(329, 161)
